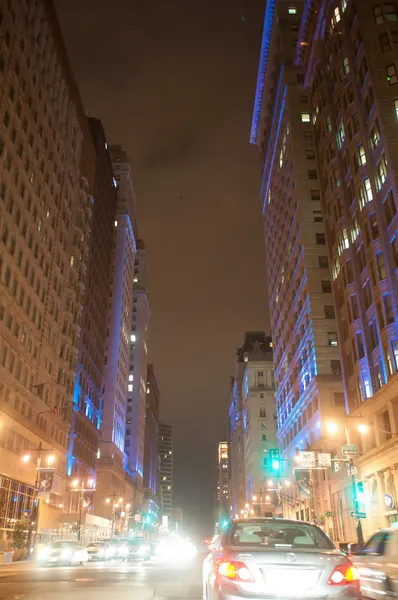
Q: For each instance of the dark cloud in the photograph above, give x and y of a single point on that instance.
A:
(173, 82)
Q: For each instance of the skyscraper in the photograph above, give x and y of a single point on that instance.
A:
(137, 384)
(151, 455)
(252, 424)
(46, 177)
(348, 54)
(308, 375)
(88, 396)
(112, 473)
(166, 468)
(222, 493)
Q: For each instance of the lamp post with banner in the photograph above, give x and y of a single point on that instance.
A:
(82, 487)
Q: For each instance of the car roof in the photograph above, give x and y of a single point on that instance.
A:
(273, 520)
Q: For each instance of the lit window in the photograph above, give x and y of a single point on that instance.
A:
(361, 155)
(395, 350)
(340, 136)
(365, 193)
(133, 337)
(114, 183)
(106, 146)
(396, 107)
(343, 5)
(375, 135)
(305, 117)
(346, 66)
(392, 75)
(390, 12)
(332, 339)
(148, 390)
(367, 388)
(378, 14)
(72, 260)
(131, 377)
(115, 223)
(135, 280)
(381, 172)
(130, 388)
(328, 123)
(292, 10)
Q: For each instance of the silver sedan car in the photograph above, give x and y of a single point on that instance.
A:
(278, 559)
(377, 563)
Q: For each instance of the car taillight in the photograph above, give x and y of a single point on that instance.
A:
(235, 570)
(344, 575)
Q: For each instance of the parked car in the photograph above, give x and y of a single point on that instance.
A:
(277, 558)
(377, 563)
(62, 552)
(99, 551)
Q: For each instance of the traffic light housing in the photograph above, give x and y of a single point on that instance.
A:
(360, 491)
(275, 459)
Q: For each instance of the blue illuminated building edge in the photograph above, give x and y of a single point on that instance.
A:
(265, 44)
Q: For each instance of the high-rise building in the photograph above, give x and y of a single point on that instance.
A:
(151, 455)
(253, 426)
(88, 396)
(137, 384)
(222, 493)
(166, 468)
(46, 177)
(113, 475)
(349, 58)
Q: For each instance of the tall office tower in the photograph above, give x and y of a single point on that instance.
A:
(113, 473)
(137, 385)
(46, 175)
(253, 426)
(222, 493)
(165, 450)
(151, 456)
(88, 398)
(349, 55)
(304, 329)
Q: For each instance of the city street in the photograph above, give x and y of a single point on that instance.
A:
(154, 580)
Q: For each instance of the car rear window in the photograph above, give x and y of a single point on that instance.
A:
(274, 534)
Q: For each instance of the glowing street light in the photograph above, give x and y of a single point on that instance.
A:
(363, 428)
(50, 459)
(247, 505)
(332, 427)
(268, 498)
(269, 482)
(26, 458)
(120, 500)
(107, 500)
(254, 498)
(75, 482)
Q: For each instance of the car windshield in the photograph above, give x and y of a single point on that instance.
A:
(95, 545)
(274, 534)
(63, 544)
(136, 542)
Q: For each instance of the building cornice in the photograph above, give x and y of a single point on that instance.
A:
(262, 69)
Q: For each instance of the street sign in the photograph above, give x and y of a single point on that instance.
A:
(358, 515)
(307, 460)
(349, 450)
(324, 459)
(328, 514)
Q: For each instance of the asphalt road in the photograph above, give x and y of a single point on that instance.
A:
(153, 580)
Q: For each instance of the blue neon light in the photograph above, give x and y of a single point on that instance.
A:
(274, 149)
(262, 68)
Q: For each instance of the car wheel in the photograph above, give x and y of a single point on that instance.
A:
(389, 589)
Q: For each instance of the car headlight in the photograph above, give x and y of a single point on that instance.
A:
(44, 553)
(67, 553)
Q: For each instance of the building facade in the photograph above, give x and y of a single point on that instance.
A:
(253, 427)
(137, 385)
(222, 493)
(166, 469)
(46, 187)
(113, 474)
(308, 373)
(151, 455)
(349, 56)
(88, 396)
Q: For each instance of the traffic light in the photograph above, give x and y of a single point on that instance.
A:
(275, 459)
(224, 523)
(360, 491)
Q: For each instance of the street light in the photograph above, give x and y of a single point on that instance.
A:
(363, 428)
(254, 498)
(269, 482)
(268, 498)
(26, 458)
(332, 427)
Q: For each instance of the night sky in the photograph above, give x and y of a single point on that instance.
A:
(173, 82)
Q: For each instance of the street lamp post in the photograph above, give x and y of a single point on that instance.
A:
(86, 486)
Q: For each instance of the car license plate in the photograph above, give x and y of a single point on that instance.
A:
(291, 579)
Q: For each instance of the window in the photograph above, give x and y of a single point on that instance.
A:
(389, 315)
(323, 262)
(131, 377)
(333, 339)
(320, 239)
(292, 10)
(392, 75)
(361, 157)
(381, 267)
(326, 287)
(390, 12)
(384, 43)
(260, 373)
(315, 195)
(375, 135)
(310, 154)
(396, 107)
(346, 66)
(263, 413)
(264, 437)
(130, 387)
(335, 366)
(365, 192)
(381, 172)
(317, 216)
(312, 174)
(340, 136)
(305, 117)
(329, 312)
(389, 207)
